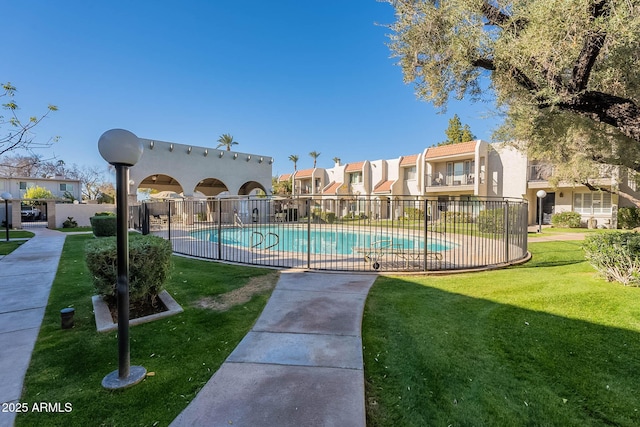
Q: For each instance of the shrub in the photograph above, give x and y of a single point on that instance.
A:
(104, 225)
(566, 219)
(69, 223)
(628, 218)
(149, 266)
(414, 213)
(105, 213)
(451, 217)
(615, 255)
(328, 217)
(492, 220)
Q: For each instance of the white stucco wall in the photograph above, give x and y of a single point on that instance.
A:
(80, 212)
(189, 165)
(506, 171)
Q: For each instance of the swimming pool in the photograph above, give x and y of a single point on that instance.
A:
(322, 241)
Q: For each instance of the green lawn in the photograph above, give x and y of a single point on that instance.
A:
(181, 352)
(7, 247)
(545, 343)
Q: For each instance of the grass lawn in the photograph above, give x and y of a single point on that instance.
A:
(180, 353)
(7, 247)
(545, 343)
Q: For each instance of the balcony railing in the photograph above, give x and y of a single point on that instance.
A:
(450, 181)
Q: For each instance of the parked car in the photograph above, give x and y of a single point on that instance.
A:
(30, 213)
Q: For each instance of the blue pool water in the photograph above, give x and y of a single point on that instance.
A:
(322, 241)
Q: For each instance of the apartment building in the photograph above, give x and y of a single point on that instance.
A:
(60, 187)
(470, 169)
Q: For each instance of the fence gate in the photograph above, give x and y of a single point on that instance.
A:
(33, 213)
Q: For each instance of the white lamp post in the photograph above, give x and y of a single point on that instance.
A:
(541, 195)
(122, 149)
(6, 196)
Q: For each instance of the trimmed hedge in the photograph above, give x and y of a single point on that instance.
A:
(566, 219)
(104, 225)
(414, 213)
(615, 255)
(149, 266)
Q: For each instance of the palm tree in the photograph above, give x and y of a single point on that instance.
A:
(226, 140)
(336, 160)
(315, 156)
(294, 158)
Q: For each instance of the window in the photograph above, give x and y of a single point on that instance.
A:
(460, 173)
(66, 187)
(632, 180)
(355, 178)
(26, 185)
(592, 203)
(410, 173)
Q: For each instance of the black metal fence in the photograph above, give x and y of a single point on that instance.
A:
(347, 234)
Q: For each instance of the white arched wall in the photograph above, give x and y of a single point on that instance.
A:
(190, 165)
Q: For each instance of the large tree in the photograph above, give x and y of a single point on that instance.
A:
(16, 132)
(456, 132)
(564, 72)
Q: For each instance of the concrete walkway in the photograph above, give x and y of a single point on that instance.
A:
(27, 274)
(300, 365)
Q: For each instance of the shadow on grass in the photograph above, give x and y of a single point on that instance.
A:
(554, 254)
(433, 357)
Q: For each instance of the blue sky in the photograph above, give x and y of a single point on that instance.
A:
(283, 77)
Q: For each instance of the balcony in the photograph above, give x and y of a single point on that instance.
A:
(450, 181)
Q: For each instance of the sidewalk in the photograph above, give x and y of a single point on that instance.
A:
(27, 276)
(301, 364)
(548, 235)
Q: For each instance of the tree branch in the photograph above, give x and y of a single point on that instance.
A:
(500, 19)
(621, 113)
(590, 50)
(624, 194)
(485, 63)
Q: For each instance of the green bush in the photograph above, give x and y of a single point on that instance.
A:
(615, 255)
(451, 217)
(104, 225)
(566, 219)
(414, 213)
(492, 220)
(328, 217)
(69, 223)
(628, 218)
(105, 213)
(149, 266)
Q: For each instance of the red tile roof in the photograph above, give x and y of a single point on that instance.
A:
(409, 160)
(451, 150)
(354, 167)
(383, 187)
(284, 177)
(305, 173)
(332, 188)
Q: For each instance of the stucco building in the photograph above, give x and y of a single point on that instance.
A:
(466, 170)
